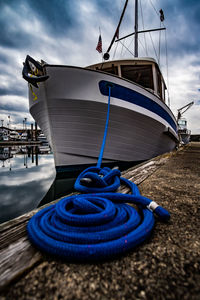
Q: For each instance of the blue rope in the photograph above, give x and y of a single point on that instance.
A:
(105, 131)
(98, 224)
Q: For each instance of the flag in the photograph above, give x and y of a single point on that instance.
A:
(99, 45)
(162, 17)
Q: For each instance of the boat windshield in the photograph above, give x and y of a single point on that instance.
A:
(182, 124)
(141, 74)
(112, 70)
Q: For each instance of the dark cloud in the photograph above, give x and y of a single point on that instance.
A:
(182, 20)
(13, 40)
(14, 107)
(58, 16)
(11, 34)
(109, 9)
(10, 91)
(4, 58)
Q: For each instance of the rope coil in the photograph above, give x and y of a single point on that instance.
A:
(94, 226)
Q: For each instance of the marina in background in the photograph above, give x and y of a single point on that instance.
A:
(26, 174)
(21, 135)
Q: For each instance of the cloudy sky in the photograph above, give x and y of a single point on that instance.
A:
(66, 32)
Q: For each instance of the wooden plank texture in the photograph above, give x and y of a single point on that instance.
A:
(17, 255)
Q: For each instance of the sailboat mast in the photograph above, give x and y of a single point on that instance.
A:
(136, 29)
(136, 32)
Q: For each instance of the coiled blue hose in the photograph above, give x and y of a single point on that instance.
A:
(94, 226)
(98, 224)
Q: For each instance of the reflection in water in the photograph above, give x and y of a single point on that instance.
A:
(28, 179)
(26, 174)
(60, 187)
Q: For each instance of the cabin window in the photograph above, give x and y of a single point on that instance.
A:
(163, 90)
(159, 84)
(141, 74)
(111, 70)
(182, 122)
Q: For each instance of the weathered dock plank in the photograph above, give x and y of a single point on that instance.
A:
(17, 255)
(164, 267)
(16, 259)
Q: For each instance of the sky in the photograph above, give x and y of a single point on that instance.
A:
(66, 32)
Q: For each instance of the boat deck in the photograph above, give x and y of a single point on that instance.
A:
(164, 267)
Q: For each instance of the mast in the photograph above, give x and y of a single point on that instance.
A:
(136, 29)
(107, 55)
(136, 32)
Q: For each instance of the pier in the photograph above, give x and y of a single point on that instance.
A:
(164, 267)
(19, 143)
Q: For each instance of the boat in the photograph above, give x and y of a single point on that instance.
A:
(14, 150)
(14, 135)
(4, 134)
(42, 138)
(183, 132)
(4, 137)
(70, 105)
(5, 155)
(24, 136)
(44, 147)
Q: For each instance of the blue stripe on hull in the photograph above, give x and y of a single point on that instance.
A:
(126, 94)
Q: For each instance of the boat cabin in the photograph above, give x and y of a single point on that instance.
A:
(182, 123)
(144, 72)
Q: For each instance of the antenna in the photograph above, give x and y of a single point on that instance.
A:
(136, 29)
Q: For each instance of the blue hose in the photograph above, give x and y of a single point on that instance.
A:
(98, 224)
(106, 128)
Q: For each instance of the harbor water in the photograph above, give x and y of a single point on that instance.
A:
(28, 179)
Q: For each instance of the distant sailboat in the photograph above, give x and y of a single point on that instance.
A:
(70, 104)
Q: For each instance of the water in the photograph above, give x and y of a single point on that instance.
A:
(28, 179)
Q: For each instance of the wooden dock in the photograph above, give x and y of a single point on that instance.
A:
(166, 267)
(19, 143)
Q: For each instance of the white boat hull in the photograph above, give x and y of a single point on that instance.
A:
(70, 108)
